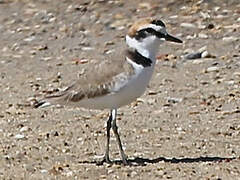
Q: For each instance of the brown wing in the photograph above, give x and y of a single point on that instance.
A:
(98, 80)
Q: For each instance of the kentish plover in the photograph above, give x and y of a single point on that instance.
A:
(123, 81)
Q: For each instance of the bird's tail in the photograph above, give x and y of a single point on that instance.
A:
(41, 104)
(53, 99)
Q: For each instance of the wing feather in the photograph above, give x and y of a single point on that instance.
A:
(107, 77)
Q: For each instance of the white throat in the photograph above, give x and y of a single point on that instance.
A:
(148, 47)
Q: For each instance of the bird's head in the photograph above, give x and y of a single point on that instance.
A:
(145, 35)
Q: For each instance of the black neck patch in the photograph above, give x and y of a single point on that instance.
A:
(136, 57)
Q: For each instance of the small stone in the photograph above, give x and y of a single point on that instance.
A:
(188, 51)
(205, 54)
(179, 129)
(144, 5)
(11, 110)
(230, 39)
(173, 17)
(187, 25)
(87, 48)
(46, 58)
(212, 69)
(189, 37)
(133, 173)
(5, 49)
(160, 173)
(210, 26)
(230, 82)
(29, 39)
(174, 100)
(42, 47)
(236, 74)
(63, 28)
(203, 36)
(145, 130)
(205, 15)
(119, 16)
(195, 55)
(153, 92)
(108, 43)
(140, 100)
(202, 49)
(118, 24)
(19, 136)
(80, 61)
(23, 129)
(43, 171)
(68, 173)
(152, 101)
(198, 61)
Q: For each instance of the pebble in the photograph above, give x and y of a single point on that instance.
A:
(187, 25)
(151, 101)
(203, 36)
(188, 51)
(201, 53)
(230, 39)
(174, 100)
(189, 37)
(179, 129)
(68, 173)
(151, 92)
(87, 48)
(230, 82)
(173, 17)
(80, 61)
(43, 171)
(205, 15)
(160, 172)
(195, 55)
(204, 48)
(133, 173)
(46, 58)
(23, 129)
(11, 110)
(205, 54)
(212, 69)
(236, 74)
(19, 136)
(144, 5)
(29, 39)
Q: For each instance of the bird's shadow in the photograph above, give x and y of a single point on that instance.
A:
(137, 161)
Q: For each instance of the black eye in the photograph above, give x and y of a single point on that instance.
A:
(143, 33)
(158, 23)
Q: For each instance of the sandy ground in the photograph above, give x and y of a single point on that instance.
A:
(186, 125)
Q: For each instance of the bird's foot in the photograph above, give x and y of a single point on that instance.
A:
(106, 159)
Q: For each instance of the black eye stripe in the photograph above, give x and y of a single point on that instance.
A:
(143, 33)
(158, 23)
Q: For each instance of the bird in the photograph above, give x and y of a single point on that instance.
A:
(119, 82)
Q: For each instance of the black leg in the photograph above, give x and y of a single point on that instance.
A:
(115, 131)
(109, 122)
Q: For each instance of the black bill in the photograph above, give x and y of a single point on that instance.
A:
(168, 37)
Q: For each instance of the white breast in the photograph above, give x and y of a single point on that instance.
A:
(132, 89)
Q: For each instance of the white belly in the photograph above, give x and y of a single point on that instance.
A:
(132, 90)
